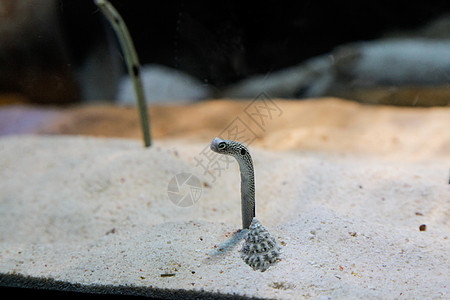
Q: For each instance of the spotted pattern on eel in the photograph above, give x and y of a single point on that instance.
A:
(241, 154)
(260, 249)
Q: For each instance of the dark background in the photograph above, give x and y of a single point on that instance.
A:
(221, 42)
(64, 51)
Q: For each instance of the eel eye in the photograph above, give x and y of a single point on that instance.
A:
(243, 151)
(222, 145)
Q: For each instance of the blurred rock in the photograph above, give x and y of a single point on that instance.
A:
(99, 73)
(164, 85)
(313, 75)
(392, 62)
(404, 68)
(391, 71)
(396, 71)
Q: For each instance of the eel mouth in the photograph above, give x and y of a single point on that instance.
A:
(214, 144)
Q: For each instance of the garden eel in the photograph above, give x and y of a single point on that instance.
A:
(260, 250)
(241, 154)
(132, 62)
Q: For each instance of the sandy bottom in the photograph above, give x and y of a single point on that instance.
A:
(93, 214)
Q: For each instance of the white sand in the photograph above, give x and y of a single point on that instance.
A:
(92, 214)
